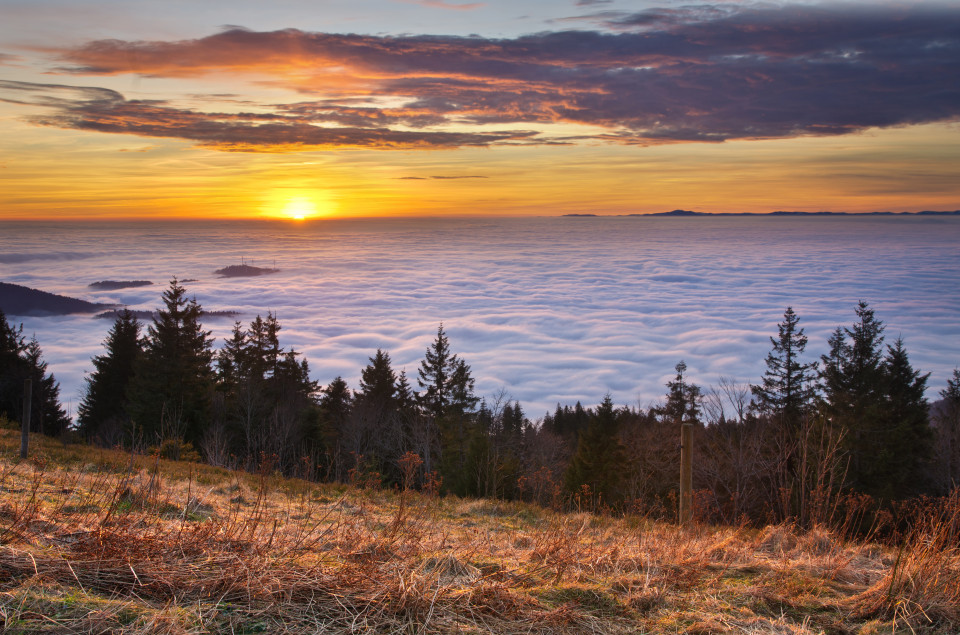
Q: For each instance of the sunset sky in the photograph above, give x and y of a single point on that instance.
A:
(351, 108)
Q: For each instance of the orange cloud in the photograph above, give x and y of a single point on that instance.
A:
(691, 74)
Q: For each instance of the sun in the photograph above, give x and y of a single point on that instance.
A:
(300, 208)
(298, 204)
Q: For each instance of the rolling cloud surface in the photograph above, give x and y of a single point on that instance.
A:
(551, 309)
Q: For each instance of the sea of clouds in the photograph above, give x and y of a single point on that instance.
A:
(548, 309)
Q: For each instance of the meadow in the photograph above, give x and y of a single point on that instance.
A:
(95, 540)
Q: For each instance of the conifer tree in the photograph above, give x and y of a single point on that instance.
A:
(447, 401)
(599, 461)
(436, 368)
(172, 388)
(231, 360)
(12, 369)
(406, 399)
(377, 430)
(462, 398)
(903, 438)
(21, 360)
(268, 396)
(336, 404)
(46, 414)
(788, 389)
(378, 382)
(948, 432)
(683, 398)
(294, 411)
(852, 381)
(103, 410)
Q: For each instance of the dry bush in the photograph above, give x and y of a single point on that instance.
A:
(923, 585)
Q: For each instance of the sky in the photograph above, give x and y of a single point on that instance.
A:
(323, 109)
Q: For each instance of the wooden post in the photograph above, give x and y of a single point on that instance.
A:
(25, 423)
(686, 473)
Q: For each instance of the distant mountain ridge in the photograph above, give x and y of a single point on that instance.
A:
(685, 212)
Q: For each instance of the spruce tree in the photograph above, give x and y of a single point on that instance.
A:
(434, 376)
(683, 398)
(336, 404)
(599, 461)
(171, 392)
(231, 360)
(852, 381)
(21, 360)
(903, 440)
(47, 416)
(948, 432)
(448, 401)
(103, 411)
(376, 418)
(378, 382)
(268, 396)
(462, 398)
(406, 399)
(13, 369)
(788, 389)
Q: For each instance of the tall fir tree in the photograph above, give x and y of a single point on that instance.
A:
(171, 392)
(406, 399)
(378, 382)
(21, 360)
(377, 422)
(948, 433)
(47, 416)
(12, 369)
(903, 439)
(336, 405)
(103, 411)
(788, 387)
(852, 383)
(268, 397)
(435, 370)
(599, 461)
(683, 398)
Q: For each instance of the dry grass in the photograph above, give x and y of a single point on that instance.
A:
(92, 541)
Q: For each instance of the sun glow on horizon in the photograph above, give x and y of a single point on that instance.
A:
(300, 206)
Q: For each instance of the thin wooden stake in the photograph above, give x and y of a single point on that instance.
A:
(686, 473)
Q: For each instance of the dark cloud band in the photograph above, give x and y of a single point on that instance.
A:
(707, 73)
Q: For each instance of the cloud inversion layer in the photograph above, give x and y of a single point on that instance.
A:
(552, 309)
(708, 73)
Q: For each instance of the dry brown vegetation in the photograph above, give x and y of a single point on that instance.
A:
(96, 541)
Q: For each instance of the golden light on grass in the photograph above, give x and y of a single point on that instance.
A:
(94, 540)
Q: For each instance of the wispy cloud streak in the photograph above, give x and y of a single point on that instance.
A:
(288, 128)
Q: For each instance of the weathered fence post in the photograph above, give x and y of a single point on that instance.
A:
(686, 473)
(25, 424)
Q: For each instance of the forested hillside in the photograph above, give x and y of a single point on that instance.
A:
(818, 439)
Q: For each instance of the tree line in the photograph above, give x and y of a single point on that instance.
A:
(812, 433)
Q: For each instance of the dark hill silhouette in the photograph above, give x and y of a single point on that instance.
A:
(111, 285)
(678, 212)
(142, 314)
(684, 212)
(16, 299)
(242, 271)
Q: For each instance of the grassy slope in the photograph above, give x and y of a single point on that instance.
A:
(94, 541)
